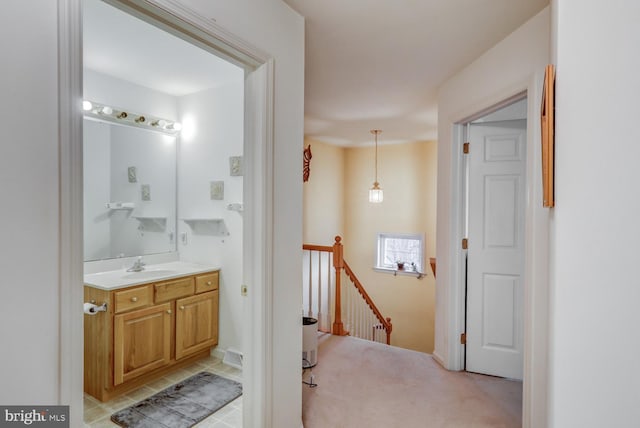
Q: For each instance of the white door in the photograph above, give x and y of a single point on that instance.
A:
(495, 257)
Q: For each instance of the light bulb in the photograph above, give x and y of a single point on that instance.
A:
(177, 126)
(107, 110)
(86, 105)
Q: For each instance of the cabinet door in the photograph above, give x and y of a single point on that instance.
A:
(196, 323)
(142, 342)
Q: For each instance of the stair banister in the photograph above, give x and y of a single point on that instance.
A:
(357, 322)
(385, 322)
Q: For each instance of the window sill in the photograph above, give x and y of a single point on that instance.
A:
(403, 272)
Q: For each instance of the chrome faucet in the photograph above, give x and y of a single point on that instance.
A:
(138, 265)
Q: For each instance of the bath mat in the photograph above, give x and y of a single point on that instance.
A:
(181, 405)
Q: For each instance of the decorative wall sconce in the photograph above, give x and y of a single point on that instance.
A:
(306, 164)
(547, 122)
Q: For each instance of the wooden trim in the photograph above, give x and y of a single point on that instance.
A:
(547, 122)
(312, 247)
(386, 322)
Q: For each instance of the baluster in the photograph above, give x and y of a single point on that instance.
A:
(310, 283)
(372, 323)
(360, 313)
(327, 321)
(319, 315)
(350, 316)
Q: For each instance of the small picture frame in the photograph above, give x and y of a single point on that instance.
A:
(145, 192)
(132, 174)
(217, 190)
(235, 166)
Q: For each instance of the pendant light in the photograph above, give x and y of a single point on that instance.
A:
(375, 193)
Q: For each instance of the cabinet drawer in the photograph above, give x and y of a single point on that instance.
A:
(170, 290)
(207, 282)
(133, 298)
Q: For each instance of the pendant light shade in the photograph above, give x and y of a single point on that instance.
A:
(375, 193)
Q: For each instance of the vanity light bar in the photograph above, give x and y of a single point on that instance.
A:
(115, 115)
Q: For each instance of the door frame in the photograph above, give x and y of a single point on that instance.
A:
(537, 226)
(258, 196)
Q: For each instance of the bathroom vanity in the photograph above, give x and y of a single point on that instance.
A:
(157, 320)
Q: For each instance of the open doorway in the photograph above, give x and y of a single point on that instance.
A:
(201, 218)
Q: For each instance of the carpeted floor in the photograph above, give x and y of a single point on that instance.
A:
(367, 384)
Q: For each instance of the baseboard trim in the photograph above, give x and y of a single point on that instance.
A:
(218, 352)
(439, 359)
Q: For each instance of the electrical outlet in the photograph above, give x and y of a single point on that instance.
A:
(244, 290)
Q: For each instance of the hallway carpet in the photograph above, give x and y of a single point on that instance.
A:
(368, 384)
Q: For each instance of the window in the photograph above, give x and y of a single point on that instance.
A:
(395, 248)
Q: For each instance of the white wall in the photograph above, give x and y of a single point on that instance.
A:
(594, 278)
(214, 131)
(96, 190)
(29, 188)
(514, 65)
(29, 89)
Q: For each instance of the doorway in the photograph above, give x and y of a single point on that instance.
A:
(495, 188)
(257, 142)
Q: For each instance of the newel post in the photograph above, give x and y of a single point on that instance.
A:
(338, 264)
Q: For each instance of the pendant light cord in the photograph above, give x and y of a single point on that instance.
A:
(376, 132)
(376, 156)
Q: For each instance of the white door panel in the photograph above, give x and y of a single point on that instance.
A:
(495, 250)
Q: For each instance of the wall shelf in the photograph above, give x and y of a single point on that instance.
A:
(152, 223)
(207, 226)
(120, 205)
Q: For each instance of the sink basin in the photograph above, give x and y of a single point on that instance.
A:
(145, 274)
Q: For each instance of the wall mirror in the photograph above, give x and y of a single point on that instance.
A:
(129, 191)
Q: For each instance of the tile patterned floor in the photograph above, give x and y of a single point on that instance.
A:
(98, 414)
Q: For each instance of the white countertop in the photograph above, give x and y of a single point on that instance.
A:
(114, 279)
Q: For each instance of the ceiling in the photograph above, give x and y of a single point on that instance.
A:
(379, 63)
(122, 46)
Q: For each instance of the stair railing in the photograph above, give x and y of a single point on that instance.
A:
(352, 309)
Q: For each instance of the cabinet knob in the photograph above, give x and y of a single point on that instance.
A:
(169, 311)
(134, 299)
(208, 282)
(182, 308)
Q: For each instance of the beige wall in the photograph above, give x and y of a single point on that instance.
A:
(324, 194)
(407, 174)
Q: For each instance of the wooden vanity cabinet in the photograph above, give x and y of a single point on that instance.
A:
(148, 331)
(141, 342)
(196, 323)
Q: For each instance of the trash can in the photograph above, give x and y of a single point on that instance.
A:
(309, 342)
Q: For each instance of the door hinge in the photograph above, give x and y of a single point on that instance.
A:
(465, 243)
(465, 148)
(463, 338)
